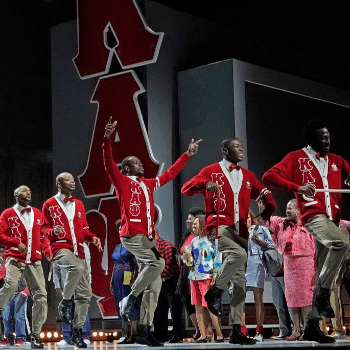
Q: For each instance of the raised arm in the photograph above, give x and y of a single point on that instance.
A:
(170, 174)
(110, 166)
(197, 184)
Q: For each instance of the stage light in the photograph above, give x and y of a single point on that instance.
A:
(115, 334)
(94, 334)
(42, 335)
(100, 334)
(55, 335)
(49, 335)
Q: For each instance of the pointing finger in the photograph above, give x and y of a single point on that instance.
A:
(198, 141)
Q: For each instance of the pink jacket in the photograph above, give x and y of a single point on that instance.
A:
(303, 242)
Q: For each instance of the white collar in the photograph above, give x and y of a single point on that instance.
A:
(19, 207)
(311, 151)
(134, 178)
(226, 163)
(61, 196)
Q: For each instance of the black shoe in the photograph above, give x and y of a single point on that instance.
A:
(123, 340)
(77, 338)
(131, 340)
(146, 337)
(35, 342)
(175, 339)
(126, 307)
(65, 311)
(313, 332)
(237, 337)
(213, 298)
(323, 304)
(202, 340)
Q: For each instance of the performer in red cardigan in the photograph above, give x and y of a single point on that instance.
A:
(234, 187)
(136, 200)
(301, 172)
(20, 233)
(64, 223)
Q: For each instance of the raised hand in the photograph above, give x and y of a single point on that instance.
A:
(193, 147)
(110, 127)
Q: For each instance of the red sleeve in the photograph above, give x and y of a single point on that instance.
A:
(2, 271)
(111, 168)
(280, 176)
(26, 291)
(273, 225)
(345, 170)
(196, 184)
(45, 246)
(170, 174)
(88, 236)
(260, 193)
(5, 238)
(46, 229)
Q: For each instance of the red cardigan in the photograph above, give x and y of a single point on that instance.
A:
(297, 169)
(136, 198)
(13, 232)
(231, 213)
(72, 239)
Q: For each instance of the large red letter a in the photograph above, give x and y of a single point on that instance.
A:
(134, 43)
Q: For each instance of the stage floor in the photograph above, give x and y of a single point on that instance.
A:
(266, 344)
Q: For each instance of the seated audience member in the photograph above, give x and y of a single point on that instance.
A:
(298, 247)
(200, 254)
(168, 299)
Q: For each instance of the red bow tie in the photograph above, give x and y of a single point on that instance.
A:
(233, 166)
(69, 199)
(26, 210)
(318, 156)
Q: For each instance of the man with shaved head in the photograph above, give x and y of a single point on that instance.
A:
(227, 189)
(20, 232)
(64, 223)
(135, 195)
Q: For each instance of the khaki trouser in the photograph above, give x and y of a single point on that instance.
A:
(232, 274)
(332, 246)
(34, 277)
(148, 281)
(77, 284)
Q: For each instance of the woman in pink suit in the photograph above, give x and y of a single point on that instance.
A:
(298, 247)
